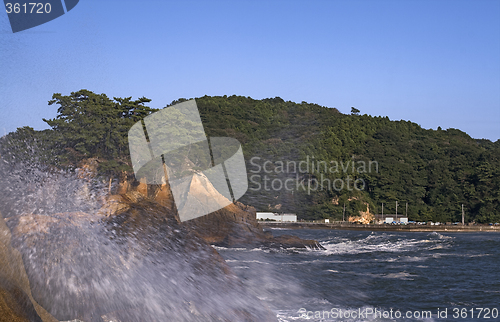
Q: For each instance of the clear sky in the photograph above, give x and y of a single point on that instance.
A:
(436, 63)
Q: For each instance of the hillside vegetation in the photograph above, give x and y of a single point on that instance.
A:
(372, 159)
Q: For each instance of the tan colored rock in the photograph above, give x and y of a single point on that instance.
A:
(105, 270)
(114, 204)
(164, 196)
(142, 188)
(365, 217)
(87, 168)
(123, 187)
(16, 300)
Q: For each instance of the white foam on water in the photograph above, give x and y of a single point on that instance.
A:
(412, 259)
(383, 243)
(440, 236)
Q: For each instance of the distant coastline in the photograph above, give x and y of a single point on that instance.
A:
(404, 228)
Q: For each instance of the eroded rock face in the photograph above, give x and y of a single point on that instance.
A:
(232, 226)
(16, 302)
(122, 257)
(15, 305)
(138, 263)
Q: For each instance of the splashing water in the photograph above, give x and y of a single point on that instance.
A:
(140, 265)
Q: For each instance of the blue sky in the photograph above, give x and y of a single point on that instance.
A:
(436, 63)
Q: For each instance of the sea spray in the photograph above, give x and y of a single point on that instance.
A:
(137, 265)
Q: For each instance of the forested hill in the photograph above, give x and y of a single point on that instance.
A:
(433, 171)
(356, 160)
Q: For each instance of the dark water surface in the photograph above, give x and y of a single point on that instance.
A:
(359, 272)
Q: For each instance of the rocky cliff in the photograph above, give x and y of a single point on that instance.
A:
(137, 264)
(232, 226)
(124, 256)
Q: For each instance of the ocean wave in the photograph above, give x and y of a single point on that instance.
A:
(440, 236)
(389, 243)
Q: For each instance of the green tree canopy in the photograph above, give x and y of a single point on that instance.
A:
(93, 125)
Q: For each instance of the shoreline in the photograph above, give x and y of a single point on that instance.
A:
(403, 228)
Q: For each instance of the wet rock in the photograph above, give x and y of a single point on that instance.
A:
(15, 305)
(232, 226)
(135, 262)
(16, 302)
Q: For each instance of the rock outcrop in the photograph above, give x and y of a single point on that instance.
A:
(16, 302)
(137, 263)
(124, 256)
(365, 217)
(232, 226)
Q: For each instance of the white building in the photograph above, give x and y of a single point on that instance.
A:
(389, 219)
(277, 217)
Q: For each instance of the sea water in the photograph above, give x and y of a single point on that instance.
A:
(376, 276)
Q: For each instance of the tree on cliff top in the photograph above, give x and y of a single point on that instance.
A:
(93, 125)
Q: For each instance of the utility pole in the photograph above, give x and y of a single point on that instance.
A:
(463, 217)
(382, 210)
(343, 214)
(406, 210)
(396, 211)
